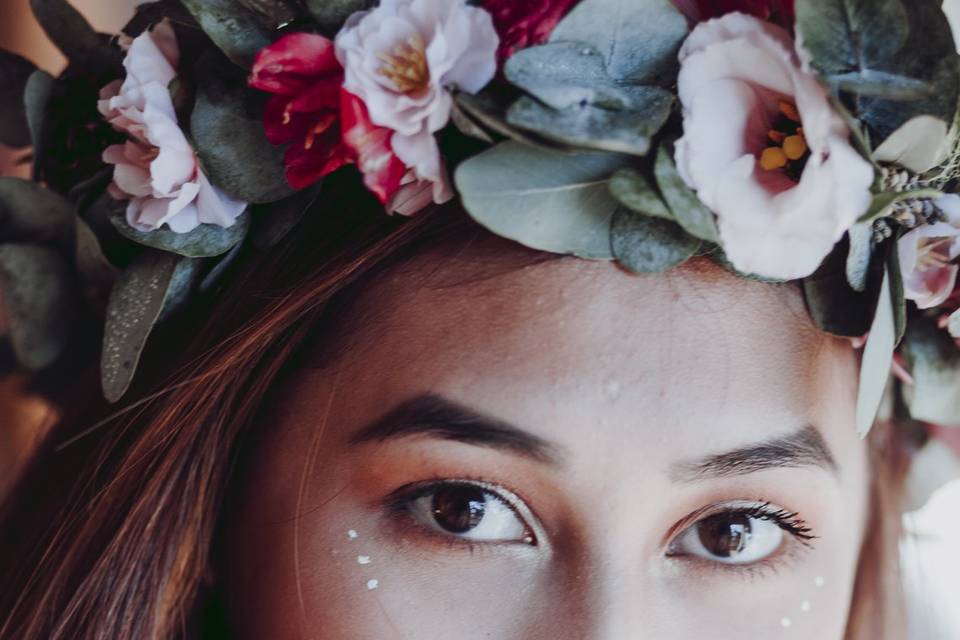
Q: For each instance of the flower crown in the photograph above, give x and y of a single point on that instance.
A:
(809, 140)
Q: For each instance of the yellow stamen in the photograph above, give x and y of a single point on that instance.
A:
(407, 66)
(773, 158)
(318, 128)
(789, 110)
(795, 147)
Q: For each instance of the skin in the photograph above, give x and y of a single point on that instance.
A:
(625, 379)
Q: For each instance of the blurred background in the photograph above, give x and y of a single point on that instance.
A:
(931, 552)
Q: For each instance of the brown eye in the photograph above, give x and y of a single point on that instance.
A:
(458, 508)
(734, 537)
(469, 511)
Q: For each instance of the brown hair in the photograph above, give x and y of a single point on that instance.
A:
(111, 536)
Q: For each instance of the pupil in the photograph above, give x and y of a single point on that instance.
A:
(458, 509)
(725, 534)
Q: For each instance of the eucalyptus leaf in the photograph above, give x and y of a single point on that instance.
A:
(545, 200)
(232, 27)
(934, 362)
(271, 223)
(273, 14)
(205, 241)
(897, 292)
(686, 206)
(184, 281)
(489, 113)
(96, 272)
(134, 307)
(834, 305)
(36, 97)
(67, 29)
(589, 127)
(877, 84)
(639, 41)
(14, 72)
(467, 125)
(876, 361)
(632, 190)
(860, 255)
(38, 296)
(32, 213)
(331, 14)
(227, 126)
(646, 244)
(919, 145)
(565, 74)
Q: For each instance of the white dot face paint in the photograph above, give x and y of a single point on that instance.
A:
(786, 623)
(363, 559)
(805, 606)
(372, 584)
(353, 535)
(819, 581)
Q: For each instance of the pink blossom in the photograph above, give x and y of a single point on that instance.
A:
(401, 59)
(157, 169)
(743, 91)
(927, 254)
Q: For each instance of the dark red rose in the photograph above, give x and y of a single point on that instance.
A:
(524, 23)
(304, 75)
(779, 12)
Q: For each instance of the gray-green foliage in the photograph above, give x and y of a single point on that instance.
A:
(546, 200)
(207, 240)
(934, 362)
(647, 244)
(877, 359)
(36, 97)
(40, 303)
(227, 127)
(331, 14)
(892, 59)
(233, 27)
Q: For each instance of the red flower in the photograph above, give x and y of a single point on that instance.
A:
(776, 11)
(304, 75)
(369, 146)
(524, 23)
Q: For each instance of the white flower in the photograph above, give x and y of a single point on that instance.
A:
(926, 254)
(157, 169)
(402, 58)
(745, 99)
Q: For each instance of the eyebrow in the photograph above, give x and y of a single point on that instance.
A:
(435, 416)
(803, 448)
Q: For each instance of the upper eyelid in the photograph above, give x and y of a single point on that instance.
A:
(734, 506)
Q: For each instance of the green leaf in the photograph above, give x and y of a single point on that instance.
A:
(134, 307)
(232, 27)
(37, 292)
(686, 206)
(205, 241)
(646, 244)
(227, 126)
(897, 293)
(67, 28)
(36, 97)
(876, 361)
(271, 223)
(14, 72)
(183, 283)
(882, 54)
(639, 43)
(859, 256)
(96, 272)
(489, 112)
(545, 200)
(331, 14)
(584, 125)
(882, 202)
(32, 213)
(633, 191)
(934, 362)
(834, 306)
(272, 14)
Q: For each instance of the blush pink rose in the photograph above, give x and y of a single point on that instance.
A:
(927, 254)
(157, 169)
(736, 72)
(401, 59)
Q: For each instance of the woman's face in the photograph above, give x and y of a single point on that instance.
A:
(557, 451)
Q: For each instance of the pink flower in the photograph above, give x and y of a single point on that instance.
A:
(926, 254)
(524, 23)
(764, 150)
(304, 75)
(401, 59)
(157, 169)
